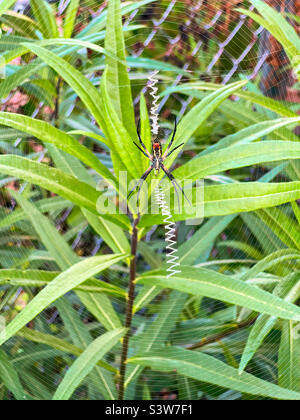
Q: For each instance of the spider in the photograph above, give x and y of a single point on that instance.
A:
(157, 158)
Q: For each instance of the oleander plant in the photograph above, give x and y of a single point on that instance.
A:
(87, 309)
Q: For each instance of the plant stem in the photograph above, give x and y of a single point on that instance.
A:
(129, 308)
(218, 337)
(56, 109)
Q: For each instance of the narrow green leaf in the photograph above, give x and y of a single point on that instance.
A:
(51, 179)
(208, 369)
(39, 278)
(45, 15)
(80, 335)
(5, 5)
(199, 113)
(203, 238)
(70, 18)
(49, 134)
(203, 282)
(158, 332)
(118, 83)
(62, 284)
(289, 356)
(236, 157)
(86, 362)
(251, 133)
(80, 84)
(58, 344)
(221, 200)
(9, 376)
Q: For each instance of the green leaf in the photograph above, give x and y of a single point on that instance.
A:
(289, 356)
(202, 239)
(80, 335)
(40, 278)
(200, 112)
(45, 16)
(98, 304)
(9, 376)
(51, 179)
(208, 369)
(49, 134)
(284, 227)
(99, 22)
(5, 5)
(70, 18)
(118, 83)
(112, 235)
(187, 388)
(62, 284)
(121, 142)
(251, 133)
(273, 259)
(80, 84)
(193, 89)
(289, 290)
(21, 24)
(221, 200)
(86, 362)
(44, 206)
(158, 331)
(58, 344)
(236, 157)
(203, 282)
(278, 26)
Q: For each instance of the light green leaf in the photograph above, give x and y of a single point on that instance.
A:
(236, 157)
(208, 369)
(45, 15)
(70, 18)
(221, 200)
(80, 84)
(158, 331)
(9, 376)
(251, 133)
(49, 134)
(58, 344)
(200, 112)
(86, 362)
(40, 278)
(62, 284)
(51, 179)
(5, 5)
(202, 239)
(118, 84)
(203, 282)
(289, 356)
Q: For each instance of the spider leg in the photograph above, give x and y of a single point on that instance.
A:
(175, 184)
(140, 184)
(175, 148)
(141, 150)
(141, 141)
(171, 142)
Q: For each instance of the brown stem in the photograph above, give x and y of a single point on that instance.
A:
(129, 308)
(56, 109)
(218, 337)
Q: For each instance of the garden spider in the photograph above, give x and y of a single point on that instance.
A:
(157, 159)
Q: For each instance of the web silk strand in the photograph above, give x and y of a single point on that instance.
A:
(170, 226)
